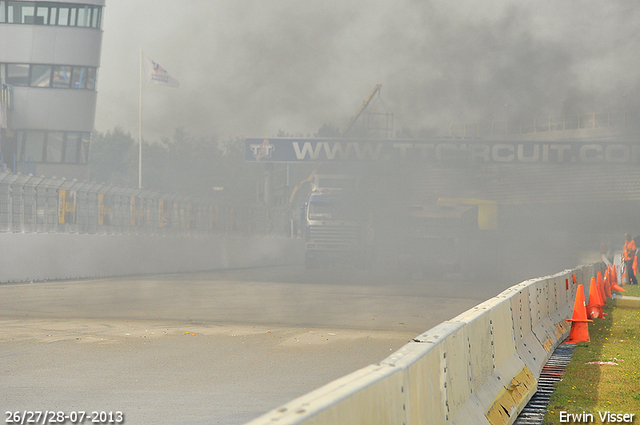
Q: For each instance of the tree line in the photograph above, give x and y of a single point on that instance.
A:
(183, 163)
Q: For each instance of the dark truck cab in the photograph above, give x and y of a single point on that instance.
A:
(337, 224)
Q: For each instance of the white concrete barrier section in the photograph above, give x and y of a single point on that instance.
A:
(480, 367)
(48, 256)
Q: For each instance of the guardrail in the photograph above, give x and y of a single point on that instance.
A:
(481, 367)
(46, 205)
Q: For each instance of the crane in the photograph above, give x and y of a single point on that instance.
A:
(364, 106)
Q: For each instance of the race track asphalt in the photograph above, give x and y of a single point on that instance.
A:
(208, 348)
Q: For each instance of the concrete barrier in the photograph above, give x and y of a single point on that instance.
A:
(480, 367)
(49, 256)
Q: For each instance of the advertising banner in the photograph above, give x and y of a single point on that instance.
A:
(440, 151)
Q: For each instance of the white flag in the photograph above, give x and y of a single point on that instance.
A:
(155, 74)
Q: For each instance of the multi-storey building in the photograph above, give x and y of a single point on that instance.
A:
(49, 59)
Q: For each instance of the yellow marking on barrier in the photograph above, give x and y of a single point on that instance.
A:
(561, 328)
(547, 343)
(61, 205)
(100, 209)
(512, 398)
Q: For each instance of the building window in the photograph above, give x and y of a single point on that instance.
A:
(95, 17)
(40, 76)
(84, 16)
(63, 16)
(61, 76)
(18, 74)
(21, 12)
(55, 146)
(72, 147)
(33, 145)
(78, 77)
(53, 15)
(64, 76)
(73, 15)
(50, 13)
(85, 140)
(69, 147)
(42, 14)
(91, 79)
(83, 78)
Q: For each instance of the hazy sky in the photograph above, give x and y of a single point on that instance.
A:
(248, 68)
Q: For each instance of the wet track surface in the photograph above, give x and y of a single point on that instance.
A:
(207, 348)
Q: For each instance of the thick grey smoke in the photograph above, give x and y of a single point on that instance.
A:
(253, 67)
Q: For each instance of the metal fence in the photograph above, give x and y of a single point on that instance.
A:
(45, 205)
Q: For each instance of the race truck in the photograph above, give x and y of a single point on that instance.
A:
(337, 224)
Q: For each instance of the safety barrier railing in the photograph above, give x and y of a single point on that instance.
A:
(45, 205)
(480, 367)
(544, 125)
(6, 95)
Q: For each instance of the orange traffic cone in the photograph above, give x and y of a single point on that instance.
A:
(607, 282)
(594, 308)
(616, 287)
(601, 291)
(614, 280)
(579, 327)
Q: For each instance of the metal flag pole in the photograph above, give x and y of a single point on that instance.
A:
(140, 128)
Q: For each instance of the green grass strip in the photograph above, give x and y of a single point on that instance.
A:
(595, 389)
